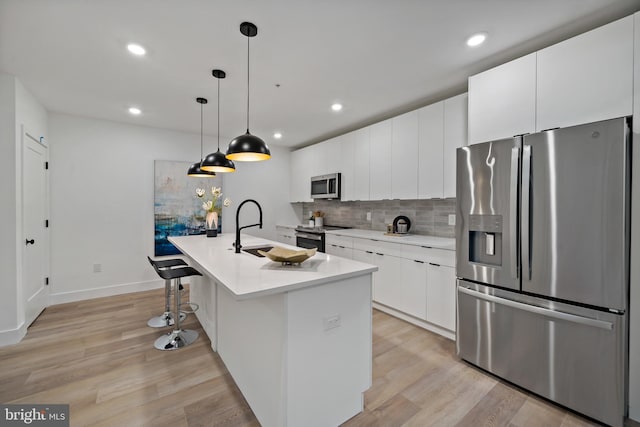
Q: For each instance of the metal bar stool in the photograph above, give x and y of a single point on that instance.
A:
(166, 318)
(178, 337)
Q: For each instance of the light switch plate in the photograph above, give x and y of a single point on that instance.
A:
(368, 216)
(452, 219)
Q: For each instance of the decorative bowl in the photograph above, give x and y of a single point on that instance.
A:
(289, 256)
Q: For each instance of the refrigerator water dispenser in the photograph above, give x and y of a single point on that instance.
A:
(485, 239)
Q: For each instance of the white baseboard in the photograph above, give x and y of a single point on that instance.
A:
(13, 336)
(106, 291)
(634, 413)
(418, 322)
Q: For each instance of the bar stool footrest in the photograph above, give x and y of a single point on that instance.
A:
(193, 307)
(176, 339)
(164, 320)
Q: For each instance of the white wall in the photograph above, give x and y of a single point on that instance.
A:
(267, 182)
(102, 180)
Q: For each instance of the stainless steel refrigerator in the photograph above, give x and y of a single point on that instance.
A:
(542, 234)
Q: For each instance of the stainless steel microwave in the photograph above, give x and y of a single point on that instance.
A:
(325, 186)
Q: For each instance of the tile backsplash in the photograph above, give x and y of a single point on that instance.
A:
(428, 217)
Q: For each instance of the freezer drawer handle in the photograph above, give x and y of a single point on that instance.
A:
(538, 310)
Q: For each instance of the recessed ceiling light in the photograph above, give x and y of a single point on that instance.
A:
(135, 111)
(336, 107)
(277, 135)
(476, 39)
(136, 49)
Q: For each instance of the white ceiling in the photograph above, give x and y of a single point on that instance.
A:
(378, 57)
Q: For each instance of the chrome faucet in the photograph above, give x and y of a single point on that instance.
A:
(238, 228)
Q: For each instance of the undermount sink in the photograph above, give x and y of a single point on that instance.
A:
(254, 250)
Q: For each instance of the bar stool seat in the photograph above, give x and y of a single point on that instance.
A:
(166, 318)
(179, 337)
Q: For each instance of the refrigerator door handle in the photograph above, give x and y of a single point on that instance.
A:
(538, 310)
(513, 214)
(525, 232)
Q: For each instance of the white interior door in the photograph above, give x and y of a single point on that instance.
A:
(34, 214)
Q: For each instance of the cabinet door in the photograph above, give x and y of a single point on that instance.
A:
(413, 295)
(387, 288)
(380, 165)
(341, 251)
(430, 146)
(300, 185)
(316, 159)
(441, 296)
(404, 156)
(502, 101)
(347, 168)
(586, 78)
(455, 136)
(361, 161)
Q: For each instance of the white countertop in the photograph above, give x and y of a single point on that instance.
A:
(409, 239)
(248, 276)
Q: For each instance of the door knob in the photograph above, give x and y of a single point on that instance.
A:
(31, 241)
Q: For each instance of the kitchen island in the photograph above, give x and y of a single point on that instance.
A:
(296, 339)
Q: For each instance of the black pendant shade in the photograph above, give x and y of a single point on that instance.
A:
(247, 147)
(195, 170)
(218, 162)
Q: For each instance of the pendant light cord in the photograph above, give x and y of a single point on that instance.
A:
(248, 91)
(218, 114)
(201, 158)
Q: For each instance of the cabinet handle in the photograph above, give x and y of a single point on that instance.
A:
(420, 262)
(426, 247)
(378, 253)
(369, 252)
(435, 265)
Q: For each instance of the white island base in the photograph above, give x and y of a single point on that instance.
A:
(301, 356)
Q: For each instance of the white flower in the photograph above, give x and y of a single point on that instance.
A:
(207, 205)
(200, 192)
(216, 191)
(227, 202)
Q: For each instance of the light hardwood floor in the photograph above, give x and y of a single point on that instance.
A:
(98, 356)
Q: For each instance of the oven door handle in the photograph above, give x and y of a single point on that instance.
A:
(309, 236)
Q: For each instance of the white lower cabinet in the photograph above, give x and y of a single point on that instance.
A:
(387, 285)
(441, 296)
(413, 288)
(286, 235)
(340, 251)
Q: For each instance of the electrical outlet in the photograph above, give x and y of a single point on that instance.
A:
(452, 219)
(368, 216)
(331, 322)
(97, 268)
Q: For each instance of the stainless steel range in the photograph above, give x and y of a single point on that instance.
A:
(313, 237)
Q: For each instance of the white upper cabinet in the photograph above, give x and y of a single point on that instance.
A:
(346, 167)
(332, 153)
(380, 160)
(404, 156)
(318, 160)
(455, 136)
(361, 164)
(430, 151)
(300, 186)
(502, 101)
(586, 78)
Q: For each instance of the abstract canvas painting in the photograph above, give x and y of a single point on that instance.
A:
(177, 209)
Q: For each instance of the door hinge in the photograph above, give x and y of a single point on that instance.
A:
(46, 223)
(46, 165)
(46, 280)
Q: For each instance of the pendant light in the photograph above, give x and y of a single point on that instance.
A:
(247, 147)
(218, 162)
(195, 170)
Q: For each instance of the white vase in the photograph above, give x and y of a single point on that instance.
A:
(212, 224)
